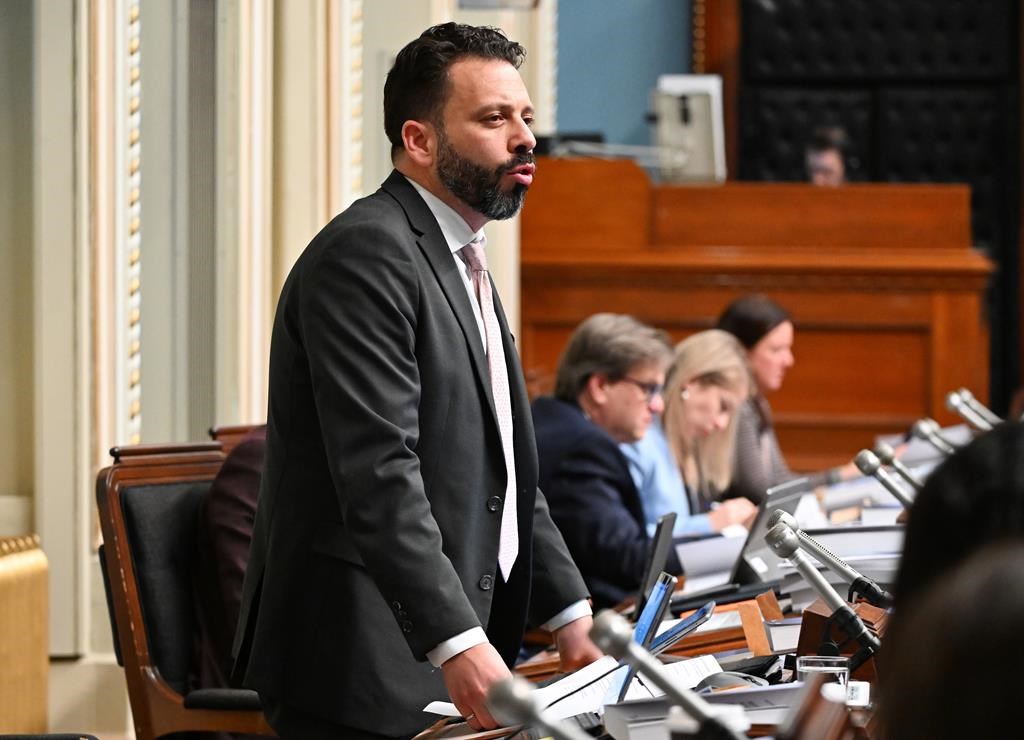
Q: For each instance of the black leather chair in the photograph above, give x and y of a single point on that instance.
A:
(148, 501)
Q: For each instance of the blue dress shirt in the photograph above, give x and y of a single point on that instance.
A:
(660, 483)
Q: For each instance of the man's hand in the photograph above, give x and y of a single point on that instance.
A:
(575, 649)
(468, 676)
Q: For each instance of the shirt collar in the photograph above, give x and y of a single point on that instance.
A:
(454, 228)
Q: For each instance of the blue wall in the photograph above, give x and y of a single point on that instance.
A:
(610, 53)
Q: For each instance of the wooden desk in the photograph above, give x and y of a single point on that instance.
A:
(883, 285)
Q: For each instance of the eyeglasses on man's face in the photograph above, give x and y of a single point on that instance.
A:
(650, 390)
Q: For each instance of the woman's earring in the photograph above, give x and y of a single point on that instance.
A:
(685, 395)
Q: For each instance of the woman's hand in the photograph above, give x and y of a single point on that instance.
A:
(732, 511)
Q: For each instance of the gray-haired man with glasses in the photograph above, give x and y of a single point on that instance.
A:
(607, 389)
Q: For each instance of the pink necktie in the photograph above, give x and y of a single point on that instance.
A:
(508, 546)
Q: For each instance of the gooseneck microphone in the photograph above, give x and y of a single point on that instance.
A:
(869, 464)
(887, 455)
(928, 430)
(958, 405)
(981, 409)
(785, 544)
(613, 634)
(513, 702)
(859, 583)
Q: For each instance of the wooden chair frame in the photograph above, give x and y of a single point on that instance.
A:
(230, 435)
(157, 708)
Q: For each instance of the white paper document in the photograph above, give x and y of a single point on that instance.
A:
(585, 689)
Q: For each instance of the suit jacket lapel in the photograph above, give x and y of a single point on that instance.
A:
(435, 249)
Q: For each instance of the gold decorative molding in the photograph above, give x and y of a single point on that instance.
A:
(344, 103)
(698, 35)
(12, 545)
(132, 213)
(114, 121)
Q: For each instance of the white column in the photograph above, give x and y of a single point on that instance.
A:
(245, 129)
(61, 381)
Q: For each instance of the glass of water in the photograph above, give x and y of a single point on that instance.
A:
(836, 668)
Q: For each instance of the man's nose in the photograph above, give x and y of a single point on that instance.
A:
(656, 404)
(524, 139)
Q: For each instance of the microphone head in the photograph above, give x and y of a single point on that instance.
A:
(783, 517)
(924, 428)
(782, 540)
(867, 462)
(885, 453)
(512, 701)
(954, 401)
(611, 633)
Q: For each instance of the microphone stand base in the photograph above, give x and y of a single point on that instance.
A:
(817, 622)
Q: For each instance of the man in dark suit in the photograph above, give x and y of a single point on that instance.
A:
(379, 577)
(608, 385)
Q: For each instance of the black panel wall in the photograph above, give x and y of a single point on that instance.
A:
(927, 91)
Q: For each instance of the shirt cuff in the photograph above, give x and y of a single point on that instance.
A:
(570, 614)
(455, 645)
(694, 524)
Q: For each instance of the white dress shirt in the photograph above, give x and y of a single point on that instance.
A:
(458, 234)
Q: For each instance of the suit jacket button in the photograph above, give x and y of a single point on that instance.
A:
(486, 582)
(397, 606)
(494, 503)
(407, 626)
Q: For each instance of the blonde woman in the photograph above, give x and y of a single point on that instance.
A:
(685, 460)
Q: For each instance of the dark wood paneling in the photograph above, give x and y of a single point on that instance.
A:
(797, 215)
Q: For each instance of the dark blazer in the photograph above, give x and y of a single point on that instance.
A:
(223, 533)
(376, 534)
(593, 500)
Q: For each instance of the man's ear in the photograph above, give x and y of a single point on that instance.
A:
(597, 388)
(420, 140)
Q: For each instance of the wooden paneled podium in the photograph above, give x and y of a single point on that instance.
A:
(883, 285)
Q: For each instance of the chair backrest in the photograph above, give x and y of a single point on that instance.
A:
(147, 502)
(160, 523)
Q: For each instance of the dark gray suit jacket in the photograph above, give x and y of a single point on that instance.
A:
(376, 534)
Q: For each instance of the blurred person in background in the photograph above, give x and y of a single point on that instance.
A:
(684, 463)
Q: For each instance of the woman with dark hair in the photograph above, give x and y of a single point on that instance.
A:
(975, 497)
(765, 330)
(949, 663)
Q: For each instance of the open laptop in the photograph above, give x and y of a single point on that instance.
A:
(756, 564)
(753, 566)
(657, 556)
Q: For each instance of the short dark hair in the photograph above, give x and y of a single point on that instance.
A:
(416, 88)
(611, 344)
(975, 497)
(824, 138)
(750, 317)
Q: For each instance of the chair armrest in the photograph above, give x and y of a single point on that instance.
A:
(234, 699)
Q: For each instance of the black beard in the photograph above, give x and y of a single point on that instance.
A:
(478, 187)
